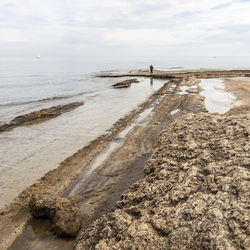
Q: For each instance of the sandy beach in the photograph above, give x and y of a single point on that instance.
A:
(98, 174)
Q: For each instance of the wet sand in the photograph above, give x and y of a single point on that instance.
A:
(112, 177)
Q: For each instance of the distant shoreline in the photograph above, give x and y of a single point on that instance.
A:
(203, 73)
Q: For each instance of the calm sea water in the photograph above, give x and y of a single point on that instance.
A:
(27, 153)
(30, 84)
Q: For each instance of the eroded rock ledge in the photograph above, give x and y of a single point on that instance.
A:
(195, 193)
(39, 116)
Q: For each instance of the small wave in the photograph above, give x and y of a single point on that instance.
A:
(11, 104)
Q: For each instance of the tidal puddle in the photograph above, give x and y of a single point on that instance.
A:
(172, 87)
(217, 98)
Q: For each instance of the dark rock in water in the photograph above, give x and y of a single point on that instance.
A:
(64, 213)
(125, 84)
(38, 116)
(67, 219)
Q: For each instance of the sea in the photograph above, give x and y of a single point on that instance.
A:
(30, 84)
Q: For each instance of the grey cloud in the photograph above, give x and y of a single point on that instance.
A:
(85, 27)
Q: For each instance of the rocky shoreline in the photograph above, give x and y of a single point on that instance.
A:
(194, 194)
(195, 189)
(137, 209)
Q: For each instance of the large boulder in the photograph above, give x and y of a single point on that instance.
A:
(43, 205)
(64, 213)
(67, 219)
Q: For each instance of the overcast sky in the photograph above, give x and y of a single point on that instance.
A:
(124, 27)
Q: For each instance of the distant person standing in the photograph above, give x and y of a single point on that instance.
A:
(151, 69)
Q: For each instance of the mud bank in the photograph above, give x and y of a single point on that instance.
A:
(182, 73)
(39, 116)
(194, 194)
